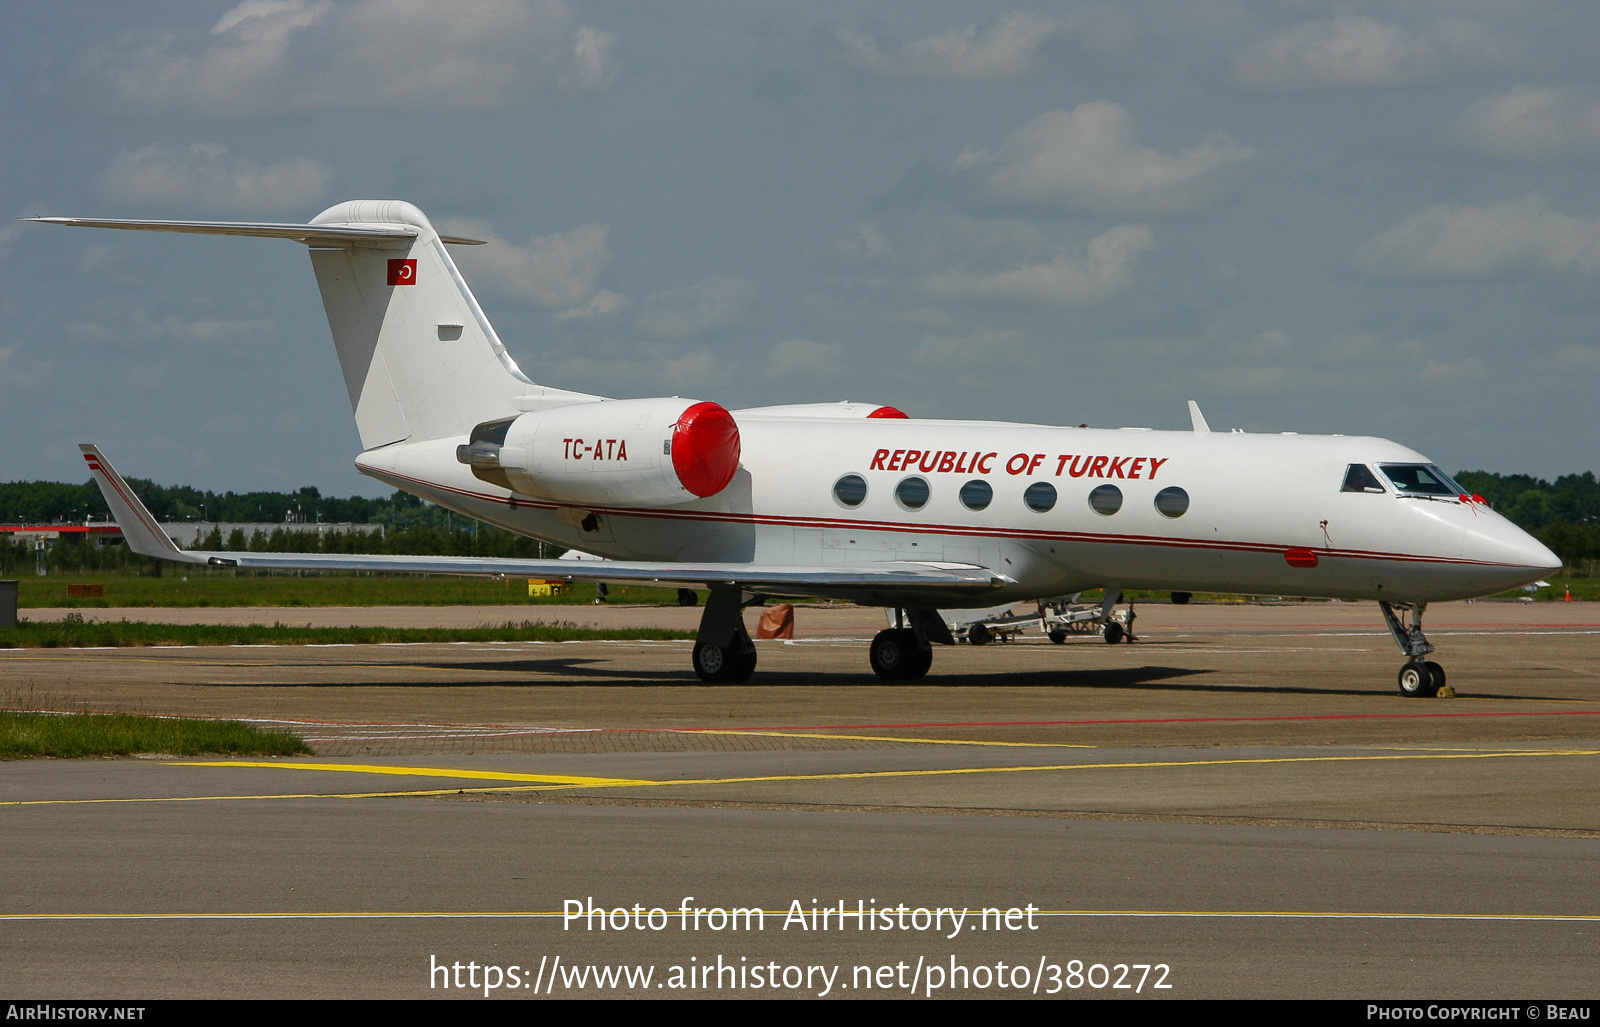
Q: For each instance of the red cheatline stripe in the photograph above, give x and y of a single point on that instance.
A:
(1149, 720)
(950, 529)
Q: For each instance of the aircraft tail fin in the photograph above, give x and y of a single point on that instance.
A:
(139, 528)
(420, 358)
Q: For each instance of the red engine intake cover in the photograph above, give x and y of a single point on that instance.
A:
(705, 449)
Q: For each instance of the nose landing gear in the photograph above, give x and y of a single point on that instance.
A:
(1419, 677)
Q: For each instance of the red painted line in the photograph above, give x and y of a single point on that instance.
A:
(1151, 720)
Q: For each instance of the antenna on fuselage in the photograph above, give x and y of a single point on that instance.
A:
(1197, 418)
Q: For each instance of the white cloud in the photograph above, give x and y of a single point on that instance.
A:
(1105, 270)
(26, 372)
(206, 176)
(8, 235)
(1573, 357)
(1007, 48)
(650, 372)
(274, 56)
(1357, 52)
(979, 348)
(1460, 242)
(1530, 123)
(560, 270)
(599, 305)
(803, 358)
(139, 327)
(692, 309)
(201, 330)
(864, 241)
(1442, 371)
(1088, 159)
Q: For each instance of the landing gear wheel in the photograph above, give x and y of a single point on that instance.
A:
(977, 634)
(896, 656)
(1417, 679)
(1436, 672)
(718, 666)
(688, 597)
(1058, 637)
(1114, 633)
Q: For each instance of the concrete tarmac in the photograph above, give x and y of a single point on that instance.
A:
(1240, 798)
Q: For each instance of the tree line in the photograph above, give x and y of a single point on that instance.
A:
(53, 502)
(77, 554)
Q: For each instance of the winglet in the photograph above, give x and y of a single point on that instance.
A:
(139, 529)
(1197, 418)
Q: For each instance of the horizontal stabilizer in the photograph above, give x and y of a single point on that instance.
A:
(311, 235)
(144, 537)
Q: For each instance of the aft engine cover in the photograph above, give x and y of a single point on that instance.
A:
(626, 452)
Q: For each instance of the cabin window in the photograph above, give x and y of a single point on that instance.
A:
(1107, 500)
(976, 494)
(912, 493)
(1172, 502)
(850, 490)
(1359, 479)
(1040, 497)
(1419, 480)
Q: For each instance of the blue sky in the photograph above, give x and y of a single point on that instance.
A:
(1368, 218)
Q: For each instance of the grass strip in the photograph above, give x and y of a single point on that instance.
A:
(73, 634)
(76, 735)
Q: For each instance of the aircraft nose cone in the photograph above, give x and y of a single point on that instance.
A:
(1495, 540)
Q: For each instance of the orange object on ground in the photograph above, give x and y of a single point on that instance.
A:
(776, 622)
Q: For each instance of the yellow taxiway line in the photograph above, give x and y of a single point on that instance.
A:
(535, 782)
(886, 738)
(935, 772)
(470, 775)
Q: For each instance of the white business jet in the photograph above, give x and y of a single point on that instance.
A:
(850, 500)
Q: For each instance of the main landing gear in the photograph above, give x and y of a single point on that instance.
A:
(725, 655)
(1419, 677)
(904, 652)
(723, 651)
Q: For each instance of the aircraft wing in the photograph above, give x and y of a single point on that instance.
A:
(868, 583)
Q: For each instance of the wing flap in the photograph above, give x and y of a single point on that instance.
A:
(771, 579)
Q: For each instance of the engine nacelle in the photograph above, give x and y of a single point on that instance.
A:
(623, 452)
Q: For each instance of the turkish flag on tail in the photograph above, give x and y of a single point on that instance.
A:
(403, 272)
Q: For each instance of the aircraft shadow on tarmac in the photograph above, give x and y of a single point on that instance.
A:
(584, 672)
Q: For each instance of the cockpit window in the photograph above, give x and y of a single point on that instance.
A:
(1420, 480)
(1360, 479)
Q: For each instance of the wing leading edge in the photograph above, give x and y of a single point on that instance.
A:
(871, 583)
